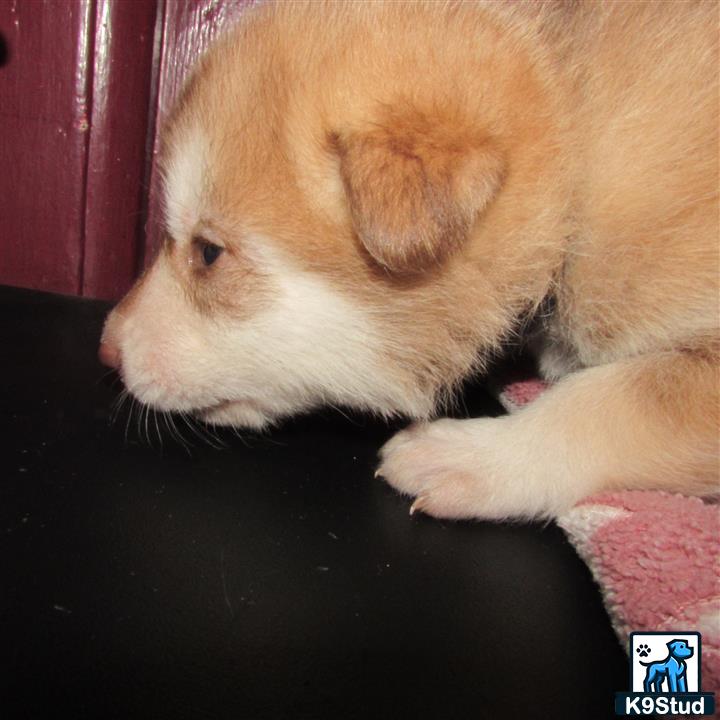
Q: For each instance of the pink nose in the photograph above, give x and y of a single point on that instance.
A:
(109, 355)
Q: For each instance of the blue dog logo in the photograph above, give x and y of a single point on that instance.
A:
(672, 670)
(665, 687)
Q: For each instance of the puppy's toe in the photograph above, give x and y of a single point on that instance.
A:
(405, 460)
(438, 464)
(452, 497)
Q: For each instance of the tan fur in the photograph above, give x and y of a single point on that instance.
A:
(443, 168)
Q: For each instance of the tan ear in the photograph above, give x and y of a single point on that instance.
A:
(416, 187)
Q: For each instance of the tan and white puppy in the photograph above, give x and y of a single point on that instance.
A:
(363, 198)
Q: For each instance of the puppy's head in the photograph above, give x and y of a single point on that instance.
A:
(324, 232)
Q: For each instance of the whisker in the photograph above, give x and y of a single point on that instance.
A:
(147, 431)
(241, 438)
(170, 421)
(347, 417)
(139, 420)
(129, 418)
(117, 405)
(157, 428)
(106, 374)
(202, 432)
(181, 415)
(164, 418)
(210, 429)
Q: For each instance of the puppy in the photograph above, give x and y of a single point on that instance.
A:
(362, 199)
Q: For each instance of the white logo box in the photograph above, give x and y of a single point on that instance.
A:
(656, 642)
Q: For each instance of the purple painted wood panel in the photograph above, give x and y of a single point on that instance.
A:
(44, 123)
(119, 123)
(81, 87)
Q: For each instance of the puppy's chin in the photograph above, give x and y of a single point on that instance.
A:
(254, 414)
(238, 413)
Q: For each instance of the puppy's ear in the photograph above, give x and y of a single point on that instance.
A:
(415, 187)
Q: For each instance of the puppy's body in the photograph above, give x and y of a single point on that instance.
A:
(394, 185)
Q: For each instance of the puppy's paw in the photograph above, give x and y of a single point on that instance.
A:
(453, 468)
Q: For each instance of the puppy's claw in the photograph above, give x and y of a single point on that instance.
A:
(378, 473)
(418, 504)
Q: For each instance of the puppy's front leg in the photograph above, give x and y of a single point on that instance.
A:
(649, 422)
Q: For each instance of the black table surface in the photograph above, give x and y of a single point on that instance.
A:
(268, 578)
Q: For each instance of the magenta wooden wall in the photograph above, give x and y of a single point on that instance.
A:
(84, 87)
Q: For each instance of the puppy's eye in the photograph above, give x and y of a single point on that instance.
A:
(209, 252)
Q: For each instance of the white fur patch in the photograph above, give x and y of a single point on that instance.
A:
(185, 178)
(312, 347)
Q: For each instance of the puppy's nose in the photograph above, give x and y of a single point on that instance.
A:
(109, 354)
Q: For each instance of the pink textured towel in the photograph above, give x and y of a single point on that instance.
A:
(655, 556)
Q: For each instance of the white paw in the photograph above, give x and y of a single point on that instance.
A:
(453, 468)
(489, 468)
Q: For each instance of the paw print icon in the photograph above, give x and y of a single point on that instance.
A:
(643, 650)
